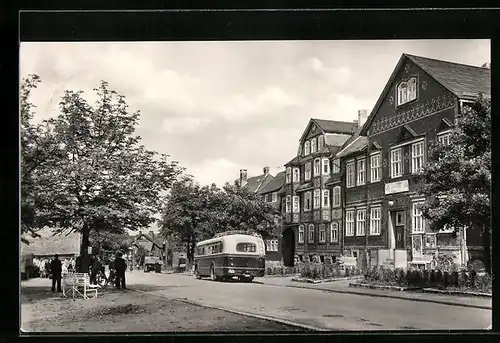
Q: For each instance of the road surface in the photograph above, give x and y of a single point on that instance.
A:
(313, 308)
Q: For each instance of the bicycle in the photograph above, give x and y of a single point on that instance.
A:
(443, 262)
(104, 281)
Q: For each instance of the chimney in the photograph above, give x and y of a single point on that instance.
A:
(266, 170)
(362, 116)
(243, 177)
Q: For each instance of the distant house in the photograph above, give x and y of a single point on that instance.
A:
(150, 243)
(254, 184)
(66, 245)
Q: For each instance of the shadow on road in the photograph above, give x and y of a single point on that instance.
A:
(35, 293)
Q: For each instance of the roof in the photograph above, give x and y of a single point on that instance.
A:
(357, 145)
(294, 160)
(275, 184)
(255, 183)
(462, 80)
(333, 149)
(49, 245)
(336, 139)
(149, 238)
(333, 126)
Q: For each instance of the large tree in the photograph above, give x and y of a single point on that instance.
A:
(194, 213)
(102, 178)
(457, 178)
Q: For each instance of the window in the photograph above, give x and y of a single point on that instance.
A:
(375, 168)
(326, 198)
(288, 174)
(317, 198)
(407, 91)
(361, 172)
(349, 223)
(334, 232)
(307, 148)
(400, 218)
(296, 175)
(375, 221)
(275, 196)
(326, 166)
(417, 157)
(355, 253)
(307, 201)
(317, 167)
(283, 204)
(336, 166)
(307, 171)
(444, 139)
(430, 240)
(272, 245)
(322, 233)
(310, 233)
(288, 203)
(418, 219)
(296, 205)
(313, 145)
(396, 164)
(246, 247)
(336, 196)
(360, 222)
(301, 233)
(321, 142)
(350, 174)
(268, 245)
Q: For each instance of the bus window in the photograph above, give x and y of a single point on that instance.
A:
(246, 247)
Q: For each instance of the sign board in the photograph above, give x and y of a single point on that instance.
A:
(397, 187)
(349, 261)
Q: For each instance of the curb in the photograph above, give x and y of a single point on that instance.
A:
(469, 294)
(394, 288)
(326, 280)
(241, 313)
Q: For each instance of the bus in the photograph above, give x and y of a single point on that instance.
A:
(230, 255)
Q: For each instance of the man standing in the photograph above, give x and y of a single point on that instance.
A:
(120, 268)
(56, 270)
(95, 269)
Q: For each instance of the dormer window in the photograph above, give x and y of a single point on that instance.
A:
(407, 91)
(307, 148)
(313, 145)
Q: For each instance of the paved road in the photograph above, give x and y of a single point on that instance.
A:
(330, 311)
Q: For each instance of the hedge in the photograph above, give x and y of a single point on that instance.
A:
(318, 271)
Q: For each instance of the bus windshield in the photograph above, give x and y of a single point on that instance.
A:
(246, 247)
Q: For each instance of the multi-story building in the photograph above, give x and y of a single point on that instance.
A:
(308, 232)
(418, 106)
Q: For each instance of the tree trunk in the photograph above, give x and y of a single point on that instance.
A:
(85, 261)
(487, 250)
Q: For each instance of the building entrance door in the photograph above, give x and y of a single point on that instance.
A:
(288, 247)
(399, 224)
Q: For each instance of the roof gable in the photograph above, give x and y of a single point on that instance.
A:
(274, 184)
(329, 126)
(444, 124)
(405, 133)
(357, 145)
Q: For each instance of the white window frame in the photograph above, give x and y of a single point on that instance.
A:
(307, 195)
(288, 174)
(444, 137)
(310, 233)
(317, 166)
(325, 198)
(336, 196)
(321, 142)
(406, 91)
(275, 197)
(317, 198)
(322, 233)
(361, 171)
(307, 148)
(313, 146)
(336, 166)
(418, 221)
(375, 167)
(349, 223)
(307, 171)
(288, 204)
(325, 166)
(295, 175)
(361, 222)
(350, 174)
(334, 232)
(375, 220)
(301, 234)
(296, 204)
(417, 156)
(399, 163)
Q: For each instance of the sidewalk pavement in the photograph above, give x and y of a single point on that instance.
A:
(343, 287)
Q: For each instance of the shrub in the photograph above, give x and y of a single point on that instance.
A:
(347, 271)
(432, 278)
(446, 279)
(454, 278)
(439, 278)
(473, 283)
(316, 272)
(463, 279)
(484, 284)
(426, 276)
(402, 278)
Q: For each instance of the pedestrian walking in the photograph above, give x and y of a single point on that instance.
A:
(56, 270)
(120, 268)
(95, 269)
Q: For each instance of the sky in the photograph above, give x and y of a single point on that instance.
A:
(218, 107)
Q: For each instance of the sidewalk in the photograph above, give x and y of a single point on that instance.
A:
(343, 287)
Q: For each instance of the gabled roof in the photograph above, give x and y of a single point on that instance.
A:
(255, 183)
(331, 126)
(49, 245)
(462, 80)
(294, 160)
(275, 184)
(357, 145)
(149, 238)
(337, 139)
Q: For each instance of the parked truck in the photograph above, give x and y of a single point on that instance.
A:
(152, 263)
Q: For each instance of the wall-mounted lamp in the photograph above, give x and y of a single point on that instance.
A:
(391, 203)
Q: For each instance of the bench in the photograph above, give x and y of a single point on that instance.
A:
(79, 284)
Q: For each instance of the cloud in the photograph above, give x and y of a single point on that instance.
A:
(183, 125)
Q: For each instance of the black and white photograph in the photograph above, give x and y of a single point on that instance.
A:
(255, 186)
